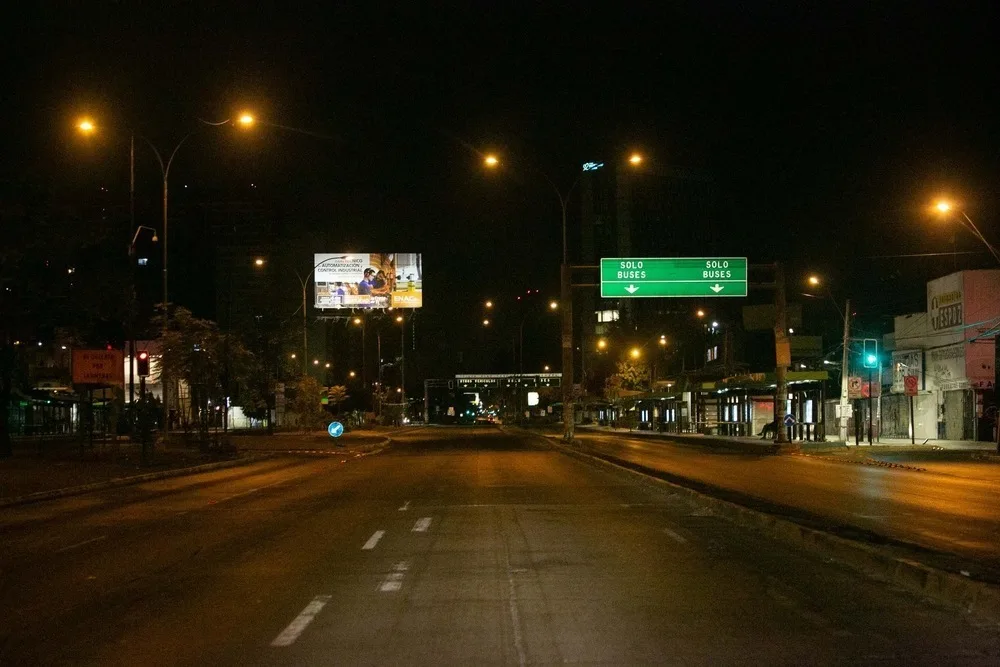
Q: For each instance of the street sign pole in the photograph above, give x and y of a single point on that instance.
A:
(913, 426)
(870, 413)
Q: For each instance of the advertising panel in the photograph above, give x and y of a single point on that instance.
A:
(368, 280)
(906, 363)
(944, 302)
(101, 367)
(946, 366)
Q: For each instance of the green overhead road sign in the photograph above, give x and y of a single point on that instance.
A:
(637, 277)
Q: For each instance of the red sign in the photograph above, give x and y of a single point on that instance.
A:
(910, 385)
(102, 367)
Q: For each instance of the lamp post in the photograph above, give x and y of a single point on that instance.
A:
(815, 281)
(131, 315)
(565, 294)
(88, 126)
(944, 207)
(304, 282)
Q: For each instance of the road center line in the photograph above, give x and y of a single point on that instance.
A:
(677, 538)
(295, 628)
(422, 525)
(394, 580)
(405, 506)
(248, 492)
(80, 544)
(373, 540)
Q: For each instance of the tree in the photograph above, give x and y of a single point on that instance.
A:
(337, 394)
(307, 403)
(196, 352)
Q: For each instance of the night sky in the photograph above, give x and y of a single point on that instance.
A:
(825, 132)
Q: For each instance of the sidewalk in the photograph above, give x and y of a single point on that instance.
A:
(758, 445)
(51, 465)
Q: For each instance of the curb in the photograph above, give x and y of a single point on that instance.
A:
(973, 596)
(173, 472)
(127, 481)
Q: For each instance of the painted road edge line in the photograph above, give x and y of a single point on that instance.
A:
(373, 540)
(677, 538)
(405, 506)
(295, 628)
(422, 525)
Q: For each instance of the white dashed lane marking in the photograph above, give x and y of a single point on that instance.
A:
(405, 506)
(422, 525)
(394, 580)
(295, 628)
(80, 544)
(373, 540)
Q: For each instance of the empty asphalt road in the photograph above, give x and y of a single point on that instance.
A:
(452, 546)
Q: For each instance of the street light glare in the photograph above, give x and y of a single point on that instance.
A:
(246, 120)
(701, 313)
(601, 344)
(399, 318)
(357, 320)
(489, 304)
(943, 206)
(553, 305)
(486, 323)
(635, 353)
(491, 161)
(258, 261)
(86, 126)
(635, 159)
(814, 280)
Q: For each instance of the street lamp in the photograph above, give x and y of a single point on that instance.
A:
(491, 161)
(88, 126)
(304, 282)
(816, 281)
(944, 207)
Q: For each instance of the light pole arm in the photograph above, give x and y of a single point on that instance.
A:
(971, 226)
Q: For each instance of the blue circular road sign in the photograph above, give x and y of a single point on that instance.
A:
(335, 429)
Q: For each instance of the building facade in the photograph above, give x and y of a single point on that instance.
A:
(951, 349)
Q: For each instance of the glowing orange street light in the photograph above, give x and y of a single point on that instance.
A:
(635, 352)
(86, 126)
(700, 313)
(486, 323)
(635, 159)
(489, 304)
(814, 281)
(602, 344)
(553, 305)
(491, 161)
(352, 374)
(246, 120)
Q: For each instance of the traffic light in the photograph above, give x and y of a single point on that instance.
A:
(870, 354)
(142, 361)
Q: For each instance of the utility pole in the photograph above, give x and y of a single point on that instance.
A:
(845, 372)
(783, 354)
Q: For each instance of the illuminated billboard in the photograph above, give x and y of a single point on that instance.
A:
(368, 280)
